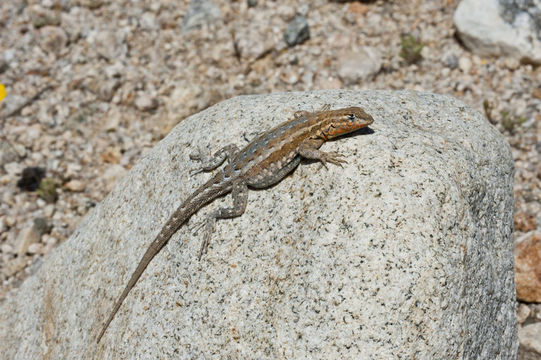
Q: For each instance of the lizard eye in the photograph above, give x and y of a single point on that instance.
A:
(351, 117)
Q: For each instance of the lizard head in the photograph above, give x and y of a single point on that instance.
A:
(344, 121)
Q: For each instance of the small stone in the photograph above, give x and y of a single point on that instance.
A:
(14, 266)
(47, 3)
(358, 67)
(252, 3)
(72, 25)
(464, 64)
(536, 93)
(105, 89)
(72, 169)
(451, 61)
(200, 13)
(13, 168)
(50, 240)
(40, 17)
(145, 102)
(6, 249)
(41, 226)
(75, 185)
(48, 210)
(7, 153)
(254, 43)
(53, 39)
(530, 340)
(112, 119)
(26, 237)
(33, 133)
(528, 267)
(303, 9)
(10, 221)
(35, 248)
(112, 155)
(358, 8)
(110, 44)
(512, 63)
(523, 312)
(285, 12)
(148, 21)
(297, 32)
(524, 222)
(6, 179)
(537, 311)
(114, 70)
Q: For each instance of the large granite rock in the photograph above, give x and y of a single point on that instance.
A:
(406, 252)
(501, 28)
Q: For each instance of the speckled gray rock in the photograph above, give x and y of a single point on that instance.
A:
(405, 252)
(501, 28)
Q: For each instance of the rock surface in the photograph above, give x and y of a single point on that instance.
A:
(501, 28)
(406, 251)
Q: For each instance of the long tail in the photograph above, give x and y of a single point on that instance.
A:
(205, 194)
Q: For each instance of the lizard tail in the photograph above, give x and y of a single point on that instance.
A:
(154, 248)
(205, 194)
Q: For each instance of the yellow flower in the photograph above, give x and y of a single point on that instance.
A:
(2, 92)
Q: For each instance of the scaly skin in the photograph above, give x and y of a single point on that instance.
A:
(262, 163)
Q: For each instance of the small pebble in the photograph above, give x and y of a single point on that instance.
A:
(145, 102)
(6, 249)
(75, 185)
(26, 237)
(451, 61)
(35, 248)
(297, 32)
(464, 64)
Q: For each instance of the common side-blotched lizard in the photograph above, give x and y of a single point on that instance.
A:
(263, 162)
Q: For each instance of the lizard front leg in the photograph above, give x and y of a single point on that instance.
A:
(209, 164)
(240, 200)
(309, 149)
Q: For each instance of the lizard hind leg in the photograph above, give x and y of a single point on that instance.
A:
(240, 200)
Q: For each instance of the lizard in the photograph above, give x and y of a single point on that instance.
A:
(262, 163)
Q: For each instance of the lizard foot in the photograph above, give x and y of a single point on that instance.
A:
(333, 158)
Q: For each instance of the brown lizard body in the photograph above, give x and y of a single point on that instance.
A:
(263, 162)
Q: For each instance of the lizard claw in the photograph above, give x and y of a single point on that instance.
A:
(333, 158)
(198, 227)
(203, 249)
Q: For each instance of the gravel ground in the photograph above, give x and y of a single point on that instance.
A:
(93, 84)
